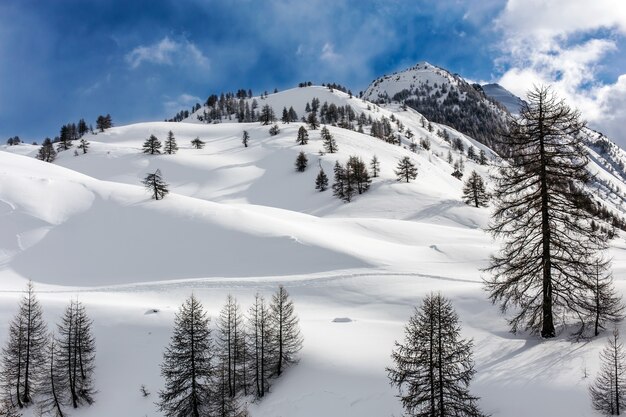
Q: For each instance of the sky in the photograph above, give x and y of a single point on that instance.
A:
(62, 60)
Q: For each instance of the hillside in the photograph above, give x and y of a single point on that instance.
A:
(240, 220)
(443, 98)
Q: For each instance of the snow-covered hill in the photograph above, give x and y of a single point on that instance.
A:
(504, 97)
(443, 98)
(240, 220)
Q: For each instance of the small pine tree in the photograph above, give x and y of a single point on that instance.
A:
(375, 166)
(482, 157)
(274, 130)
(285, 330)
(301, 162)
(303, 136)
(170, 146)
(47, 153)
(433, 367)
(449, 157)
(406, 170)
(245, 138)
(608, 392)
(474, 191)
(187, 364)
(330, 145)
(197, 143)
(321, 181)
(155, 184)
(24, 356)
(152, 145)
(313, 121)
(339, 190)
(84, 145)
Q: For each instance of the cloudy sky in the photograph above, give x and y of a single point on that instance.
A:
(61, 60)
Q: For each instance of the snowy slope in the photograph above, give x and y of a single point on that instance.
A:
(240, 220)
(504, 96)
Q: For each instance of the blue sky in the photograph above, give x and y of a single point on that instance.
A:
(145, 60)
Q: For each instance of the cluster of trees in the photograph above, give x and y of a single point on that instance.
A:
(53, 371)
(208, 372)
(465, 108)
(68, 134)
(350, 179)
(152, 145)
(15, 140)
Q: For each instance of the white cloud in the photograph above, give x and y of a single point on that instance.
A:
(166, 52)
(328, 52)
(182, 102)
(565, 43)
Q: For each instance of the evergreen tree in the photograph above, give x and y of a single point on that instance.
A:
(47, 153)
(84, 145)
(231, 346)
(549, 252)
(274, 130)
(330, 145)
(433, 367)
(303, 136)
(339, 189)
(406, 170)
(285, 118)
(474, 191)
(65, 139)
(259, 346)
(170, 146)
(471, 152)
(152, 145)
(482, 157)
(23, 357)
(155, 184)
(285, 330)
(301, 162)
(375, 166)
(82, 128)
(293, 116)
(187, 365)
(245, 138)
(76, 353)
(54, 387)
(197, 143)
(321, 181)
(608, 392)
(313, 121)
(267, 115)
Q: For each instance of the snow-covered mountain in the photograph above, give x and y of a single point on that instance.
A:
(509, 100)
(443, 98)
(241, 219)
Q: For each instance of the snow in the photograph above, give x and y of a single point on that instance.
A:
(512, 103)
(241, 220)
